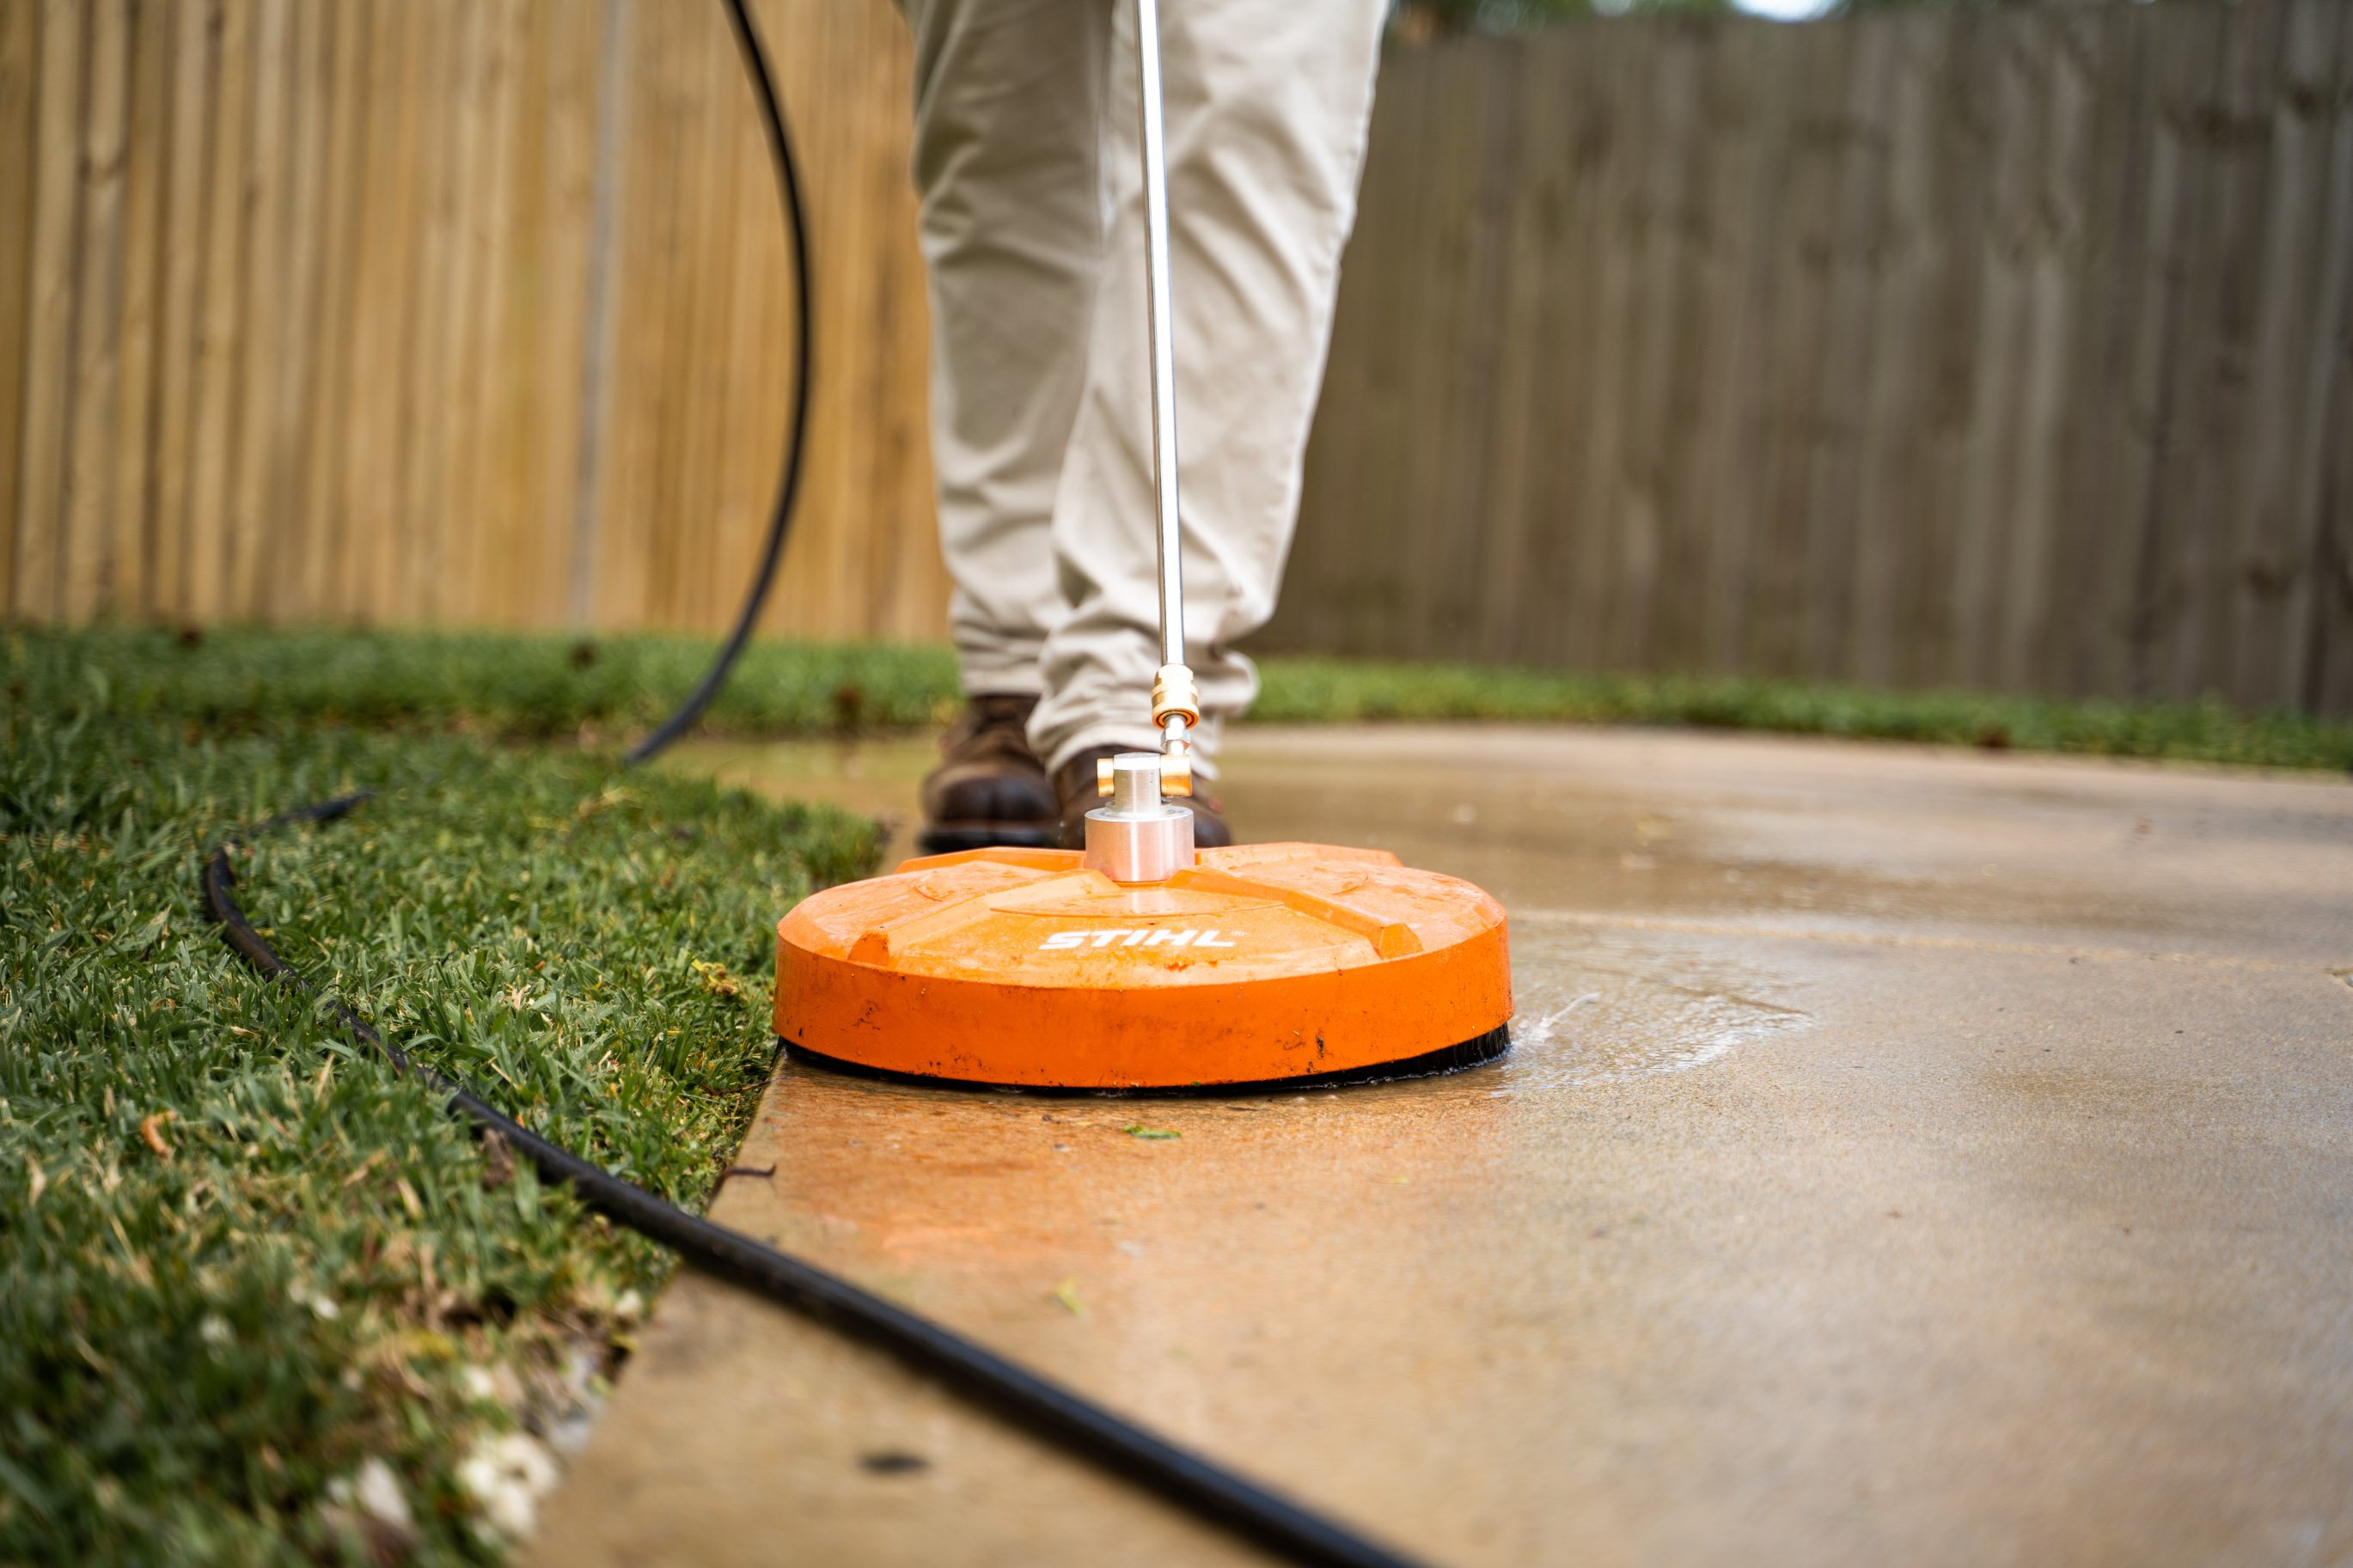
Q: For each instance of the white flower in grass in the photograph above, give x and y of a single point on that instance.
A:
(379, 1496)
(506, 1474)
(371, 1500)
(322, 1305)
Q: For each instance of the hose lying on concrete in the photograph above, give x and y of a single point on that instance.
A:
(1038, 1403)
(1044, 1406)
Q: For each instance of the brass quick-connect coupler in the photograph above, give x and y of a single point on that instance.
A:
(1176, 708)
(1173, 697)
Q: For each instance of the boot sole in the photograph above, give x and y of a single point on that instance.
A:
(954, 837)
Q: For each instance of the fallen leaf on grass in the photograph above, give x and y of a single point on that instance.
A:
(151, 1130)
(1138, 1130)
(40, 1182)
(598, 804)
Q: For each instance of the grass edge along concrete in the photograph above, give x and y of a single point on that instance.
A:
(540, 685)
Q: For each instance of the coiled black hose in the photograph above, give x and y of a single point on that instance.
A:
(1088, 1430)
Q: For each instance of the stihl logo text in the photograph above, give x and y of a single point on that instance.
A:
(1065, 941)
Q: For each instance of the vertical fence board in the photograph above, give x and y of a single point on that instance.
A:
(1947, 567)
(472, 588)
(1740, 506)
(709, 326)
(181, 292)
(508, 581)
(1738, 212)
(1890, 445)
(811, 600)
(2092, 250)
(1660, 227)
(2238, 142)
(451, 45)
(267, 179)
(278, 452)
(322, 518)
(54, 286)
(2327, 502)
(915, 582)
(218, 387)
(2048, 309)
(1993, 93)
(371, 432)
(145, 163)
(2135, 380)
(567, 236)
(1593, 326)
(1793, 392)
(2167, 611)
(1859, 137)
(2266, 586)
(20, 60)
(1376, 356)
(650, 153)
(96, 383)
(1447, 345)
(1501, 545)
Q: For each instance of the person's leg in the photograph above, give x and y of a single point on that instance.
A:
(1008, 114)
(1268, 103)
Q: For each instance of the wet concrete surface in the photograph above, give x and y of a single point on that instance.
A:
(1905, 1155)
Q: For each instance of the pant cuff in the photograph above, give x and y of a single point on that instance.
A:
(999, 680)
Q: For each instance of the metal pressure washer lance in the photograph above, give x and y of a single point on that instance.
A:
(1144, 962)
(1139, 836)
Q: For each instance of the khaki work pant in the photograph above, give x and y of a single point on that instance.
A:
(1032, 228)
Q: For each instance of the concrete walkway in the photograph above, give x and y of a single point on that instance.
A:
(1906, 1156)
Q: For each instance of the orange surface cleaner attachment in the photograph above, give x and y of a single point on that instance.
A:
(1261, 964)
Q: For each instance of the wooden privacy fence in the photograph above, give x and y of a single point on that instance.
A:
(2004, 348)
(461, 311)
(2001, 348)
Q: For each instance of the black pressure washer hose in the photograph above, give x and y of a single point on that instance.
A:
(1088, 1429)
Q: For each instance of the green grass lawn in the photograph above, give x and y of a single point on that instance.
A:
(1317, 690)
(532, 686)
(250, 1277)
(240, 1261)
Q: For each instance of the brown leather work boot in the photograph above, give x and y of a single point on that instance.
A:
(989, 788)
(1075, 781)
